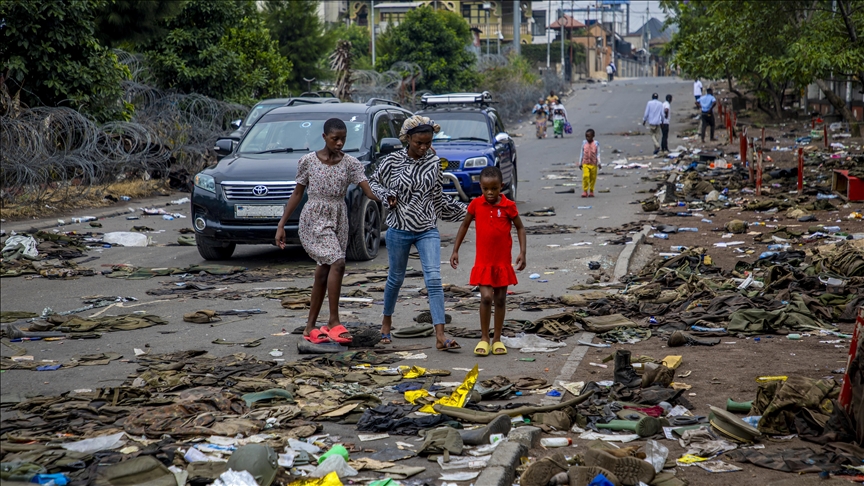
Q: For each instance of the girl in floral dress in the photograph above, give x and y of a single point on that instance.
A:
(323, 230)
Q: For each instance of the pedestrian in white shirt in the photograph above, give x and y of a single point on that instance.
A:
(654, 117)
(697, 89)
(664, 127)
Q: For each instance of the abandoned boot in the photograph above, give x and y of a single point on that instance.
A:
(624, 372)
(655, 373)
(475, 437)
(583, 475)
(629, 470)
(681, 338)
(541, 472)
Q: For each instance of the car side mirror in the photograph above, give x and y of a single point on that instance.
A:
(389, 145)
(224, 146)
(236, 124)
(502, 137)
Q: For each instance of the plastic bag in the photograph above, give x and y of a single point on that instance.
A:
(96, 444)
(331, 479)
(335, 464)
(299, 445)
(656, 454)
(126, 238)
(523, 340)
(235, 478)
(28, 242)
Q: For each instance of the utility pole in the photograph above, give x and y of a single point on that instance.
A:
(372, 23)
(548, 36)
(517, 25)
(561, 21)
(486, 7)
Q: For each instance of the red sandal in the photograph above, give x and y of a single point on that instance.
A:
(340, 335)
(316, 336)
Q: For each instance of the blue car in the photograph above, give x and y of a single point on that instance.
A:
(472, 137)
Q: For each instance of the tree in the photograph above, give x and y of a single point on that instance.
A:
(121, 23)
(302, 38)
(361, 44)
(52, 57)
(435, 41)
(219, 49)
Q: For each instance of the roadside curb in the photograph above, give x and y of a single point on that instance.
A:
(501, 470)
(114, 210)
(623, 263)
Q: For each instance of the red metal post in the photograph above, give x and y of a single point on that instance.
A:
(759, 173)
(800, 171)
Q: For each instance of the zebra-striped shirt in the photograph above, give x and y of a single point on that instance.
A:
(417, 185)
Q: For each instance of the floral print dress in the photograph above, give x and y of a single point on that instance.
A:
(324, 220)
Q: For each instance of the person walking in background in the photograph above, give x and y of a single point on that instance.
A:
(559, 119)
(541, 116)
(610, 72)
(667, 113)
(551, 100)
(654, 117)
(706, 103)
(495, 216)
(589, 162)
(697, 89)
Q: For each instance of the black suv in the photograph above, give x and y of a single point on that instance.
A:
(264, 106)
(241, 198)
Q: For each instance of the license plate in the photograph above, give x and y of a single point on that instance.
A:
(258, 211)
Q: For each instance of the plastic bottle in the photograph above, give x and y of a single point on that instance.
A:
(705, 220)
(826, 196)
(833, 229)
(556, 441)
(767, 254)
(692, 230)
(778, 247)
(678, 248)
(683, 214)
(681, 204)
(662, 236)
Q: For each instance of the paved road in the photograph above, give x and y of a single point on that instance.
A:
(608, 109)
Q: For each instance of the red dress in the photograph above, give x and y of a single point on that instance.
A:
(492, 265)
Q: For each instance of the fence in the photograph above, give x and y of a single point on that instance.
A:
(628, 68)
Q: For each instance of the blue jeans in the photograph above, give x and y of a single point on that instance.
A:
(428, 244)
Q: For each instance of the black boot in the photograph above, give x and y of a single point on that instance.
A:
(624, 372)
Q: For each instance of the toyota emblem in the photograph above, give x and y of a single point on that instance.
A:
(259, 190)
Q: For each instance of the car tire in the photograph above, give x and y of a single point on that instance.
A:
(365, 238)
(210, 249)
(514, 185)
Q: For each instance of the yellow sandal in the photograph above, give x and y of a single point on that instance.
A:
(482, 349)
(499, 348)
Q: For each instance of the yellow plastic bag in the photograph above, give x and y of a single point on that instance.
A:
(690, 459)
(412, 372)
(459, 396)
(331, 479)
(412, 396)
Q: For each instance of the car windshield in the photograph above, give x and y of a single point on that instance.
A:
(461, 126)
(259, 110)
(299, 132)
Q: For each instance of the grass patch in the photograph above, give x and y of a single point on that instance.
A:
(63, 200)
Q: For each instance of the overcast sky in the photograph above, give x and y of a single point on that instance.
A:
(637, 10)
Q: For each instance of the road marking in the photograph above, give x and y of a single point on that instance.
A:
(569, 368)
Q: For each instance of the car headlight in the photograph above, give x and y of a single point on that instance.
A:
(475, 162)
(205, 182)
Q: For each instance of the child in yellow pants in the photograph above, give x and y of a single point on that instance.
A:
(589, 162)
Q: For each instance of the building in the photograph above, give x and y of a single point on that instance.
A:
(332, 11)
(653, 32)
(494, 19)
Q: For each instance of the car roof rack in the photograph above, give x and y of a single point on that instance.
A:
(381, 101)
(317, 94)
(482, 99)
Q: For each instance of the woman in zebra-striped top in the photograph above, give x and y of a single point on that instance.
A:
(411, 182)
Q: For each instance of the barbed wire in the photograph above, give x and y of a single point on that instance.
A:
(62, 153)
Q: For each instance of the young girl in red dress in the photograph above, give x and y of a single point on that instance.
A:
(493, 272)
